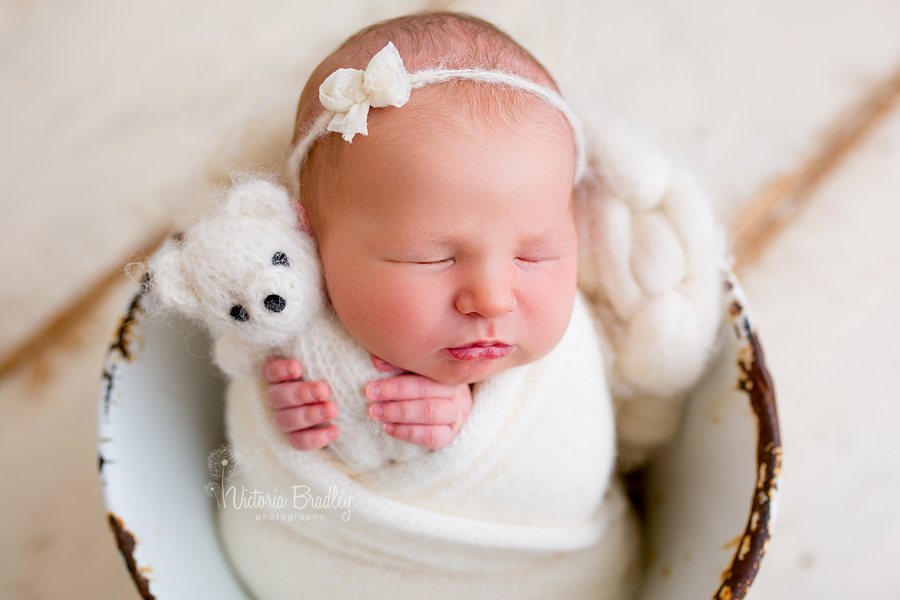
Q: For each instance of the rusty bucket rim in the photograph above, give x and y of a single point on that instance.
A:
(756, 382)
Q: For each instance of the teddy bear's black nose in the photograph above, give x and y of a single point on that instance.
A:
(275, 303)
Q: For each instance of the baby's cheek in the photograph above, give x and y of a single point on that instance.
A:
(403, 318)
(549, 307)
(387, 315)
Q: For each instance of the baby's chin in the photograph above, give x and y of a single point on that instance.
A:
(454, 372)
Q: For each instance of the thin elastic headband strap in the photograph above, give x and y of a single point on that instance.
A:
(419, 79)
(422, 78)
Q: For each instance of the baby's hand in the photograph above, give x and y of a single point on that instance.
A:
(300, 406)
(419, 410)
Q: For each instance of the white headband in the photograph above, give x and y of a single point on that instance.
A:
(347, 95)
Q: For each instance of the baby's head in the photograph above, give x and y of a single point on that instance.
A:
(446, 233)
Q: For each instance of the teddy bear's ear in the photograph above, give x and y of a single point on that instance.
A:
(261, 199)
(169, 279)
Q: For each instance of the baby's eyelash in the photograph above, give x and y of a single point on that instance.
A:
(422, 262)
(446, 261)
(535, 260)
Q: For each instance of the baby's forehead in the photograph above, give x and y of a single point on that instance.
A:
(450, 120)
(454, 150)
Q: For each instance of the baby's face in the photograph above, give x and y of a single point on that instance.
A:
(453, 253)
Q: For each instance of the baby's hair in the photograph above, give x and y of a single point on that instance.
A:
(443, 40)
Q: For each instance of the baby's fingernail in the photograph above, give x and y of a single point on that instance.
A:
(332, 434)
(325, 412)
(389, 428)
(373, 390)
(376, 411)
(315, 393)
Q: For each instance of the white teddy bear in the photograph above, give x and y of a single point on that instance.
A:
(255, 279)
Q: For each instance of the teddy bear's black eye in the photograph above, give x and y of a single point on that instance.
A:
(239, 313)
(280, 258)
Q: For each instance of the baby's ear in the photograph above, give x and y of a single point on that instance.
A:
(169, 279)
(261, 199)
(303, 221)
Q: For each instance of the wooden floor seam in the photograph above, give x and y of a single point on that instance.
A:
(69, 318)
(760, 221)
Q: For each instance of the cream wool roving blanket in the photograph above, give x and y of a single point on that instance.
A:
(519, 505)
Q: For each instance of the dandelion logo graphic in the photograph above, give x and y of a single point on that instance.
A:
(224, 464)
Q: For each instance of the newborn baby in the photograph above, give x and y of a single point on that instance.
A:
(437, 167)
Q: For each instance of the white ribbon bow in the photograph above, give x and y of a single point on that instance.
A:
(350, 92)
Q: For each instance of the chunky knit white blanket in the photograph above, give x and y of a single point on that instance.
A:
(520, 504)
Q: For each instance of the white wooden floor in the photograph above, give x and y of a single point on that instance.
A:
(109, 111)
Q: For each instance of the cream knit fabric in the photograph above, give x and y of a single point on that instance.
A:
(519, 505)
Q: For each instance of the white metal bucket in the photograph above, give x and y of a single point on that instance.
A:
(709, 499)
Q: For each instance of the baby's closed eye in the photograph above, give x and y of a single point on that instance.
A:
(537, 259)
(435, 260)
(534, 259)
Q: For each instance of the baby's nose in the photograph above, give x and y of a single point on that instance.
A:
(490, 297)
(275, 303)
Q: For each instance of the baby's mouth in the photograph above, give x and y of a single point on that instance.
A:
(480, 351)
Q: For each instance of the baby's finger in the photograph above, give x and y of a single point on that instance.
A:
(384, 366)
(296, 393)
(434, 437)
(311, 439)
(304, 417)
(427, 411)
(408, 387)
(278, 370)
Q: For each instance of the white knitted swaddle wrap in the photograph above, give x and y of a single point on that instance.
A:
(519, 503)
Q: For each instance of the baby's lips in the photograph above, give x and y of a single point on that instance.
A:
(479, 351)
